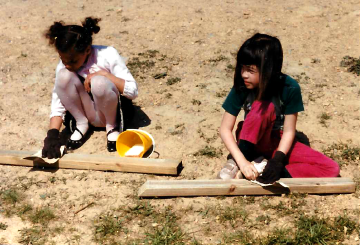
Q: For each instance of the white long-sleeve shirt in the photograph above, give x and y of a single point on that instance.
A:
(101, 58)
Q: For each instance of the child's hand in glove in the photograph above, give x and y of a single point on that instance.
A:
(52, 144)
(273, 169)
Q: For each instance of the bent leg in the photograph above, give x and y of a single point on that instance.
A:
(106, 98)
(305, 162)
(75, 99)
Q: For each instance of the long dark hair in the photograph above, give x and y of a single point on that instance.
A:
(266, 53)
(67, 37)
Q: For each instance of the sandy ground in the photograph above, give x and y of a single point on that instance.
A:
(196, 41)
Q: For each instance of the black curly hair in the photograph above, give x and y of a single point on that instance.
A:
(67, 37)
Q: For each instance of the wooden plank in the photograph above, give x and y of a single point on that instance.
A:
(176, 188)
(97, 162)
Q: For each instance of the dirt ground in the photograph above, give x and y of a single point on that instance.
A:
(195, 41)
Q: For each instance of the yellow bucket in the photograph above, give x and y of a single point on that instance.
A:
(135, 140)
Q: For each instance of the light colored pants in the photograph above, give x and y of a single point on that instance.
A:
(99, 112)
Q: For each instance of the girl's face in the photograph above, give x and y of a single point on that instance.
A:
(251, 76)
(73, 60)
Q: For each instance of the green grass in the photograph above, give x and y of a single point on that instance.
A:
(173, 80)
(218, 59)
(352, 64)
(209, 151)
(24, 209)
(106, 226)
(278, 237)
(11, 196)
(281, 208)
(196, 102)
(34, 235)
(324, 117)
(3, 226)
(237, 237)
(307, 230)
(221, 94)
(234, 215)
(156, 226)
(167, 233)
(343, 153)
(42, 215)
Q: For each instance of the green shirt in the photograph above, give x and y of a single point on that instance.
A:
(290, 98)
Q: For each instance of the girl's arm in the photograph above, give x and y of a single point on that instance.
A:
(119, 83)
(288, 133)
(55, 123)
(227, 125)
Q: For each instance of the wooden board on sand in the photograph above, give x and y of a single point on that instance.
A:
(216, 187)
(97, 162)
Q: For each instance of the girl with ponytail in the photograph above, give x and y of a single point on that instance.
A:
(89, 81)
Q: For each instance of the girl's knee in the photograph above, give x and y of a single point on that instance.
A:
(63, 78)
(101, 87)
(333, 168)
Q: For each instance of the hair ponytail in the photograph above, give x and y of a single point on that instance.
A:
(90, 25)
(68, 37)
(54, 31)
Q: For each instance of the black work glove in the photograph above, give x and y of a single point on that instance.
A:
(52, 144)
(273, 169)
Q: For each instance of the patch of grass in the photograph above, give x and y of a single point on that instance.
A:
(324, 117)
(230, 68)
(343, 153)
(264, 219)
(314, 230)
(311, 97)
(168, 95)
(140, 209)
(203, 136)
(34, 235)
(11, 196)
(173, 80)
(106, 226)
(3, 226)
(196, 102)
(233, 215)
(52, 179)
(321, 85)
(209, 151)
(302, 78)
(137, 66)
(341, 222)
(315, 61)
(221, 94)
(179, 125)
(201, 86)
(149, 53)
(352, 64)
(24, 209)
(167, 233)
(238, 237)
(42, 216)
(280, 208)
(218, 59)
(279, 236)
